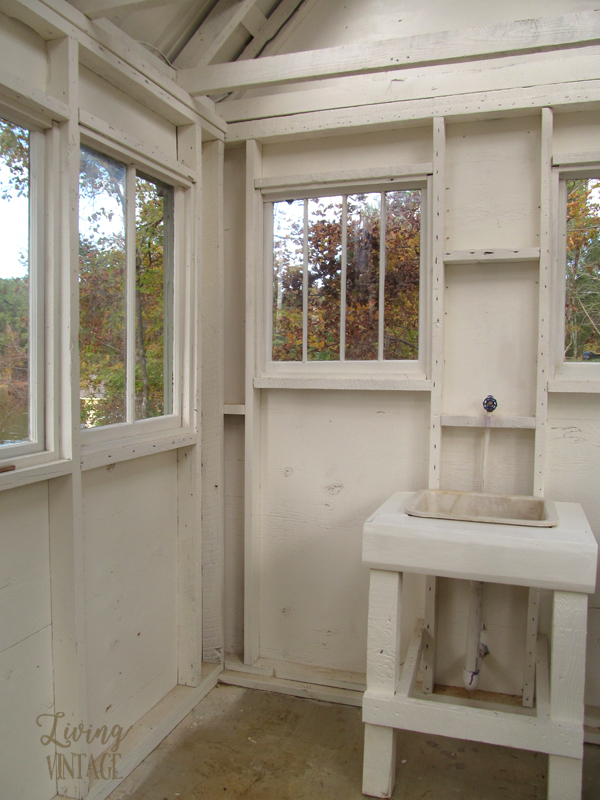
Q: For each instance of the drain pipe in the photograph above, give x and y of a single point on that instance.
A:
(475, 649)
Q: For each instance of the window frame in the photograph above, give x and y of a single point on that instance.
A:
(567, 372)
(413, 369)
(177, 420)
(39, 405)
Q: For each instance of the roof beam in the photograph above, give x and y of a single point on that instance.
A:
(276, 20)
(96, 9)
(491, 41)
(214, 32)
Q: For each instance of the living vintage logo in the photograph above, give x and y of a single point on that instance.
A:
(79, 765)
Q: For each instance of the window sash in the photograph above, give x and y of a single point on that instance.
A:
(415, 367)
(172, 332)
(36, 352)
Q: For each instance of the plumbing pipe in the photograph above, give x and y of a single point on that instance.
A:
(486, 447)
(475, 650)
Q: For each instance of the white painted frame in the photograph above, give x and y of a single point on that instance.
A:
(303, 187)
(568, 377)
(37, 305)
(182, 180)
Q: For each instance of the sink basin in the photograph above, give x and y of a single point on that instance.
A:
(476, 507)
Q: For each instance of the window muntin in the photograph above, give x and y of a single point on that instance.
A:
(126, 293)
(582, 271)
(337, 260)
(21, 291)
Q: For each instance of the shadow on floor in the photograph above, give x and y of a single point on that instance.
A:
(244, 743)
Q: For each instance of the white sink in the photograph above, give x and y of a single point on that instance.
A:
(476, 507)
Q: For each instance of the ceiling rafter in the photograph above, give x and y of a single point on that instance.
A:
(491, 41)
(96, 9)
(216, 29)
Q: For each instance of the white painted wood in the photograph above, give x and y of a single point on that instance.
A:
(212, 401)
(341, 382)
(529, 676)
(574, 387)
(384, 116)
(234, 534)
(329, 694)
(490, 321)
(252, 455)
(429, 653)
(383, 638)
(410, 668)
(254, 20)
(95, 9)
(130, 587)
(14, 88)
(214, 32)
(189, 569)
(568, 657)
(492, 256)
(463, 421)
(232, 408)
(154, 726)
(567, 160)
(386, 174)
(564, 778)
(437, 300)
(104, 454)
(474, 724)
(542, 688)
(315, 496)
(524, 36)
(379, 765)
(320, 675)
(276, 20)
(113, 140)
(235, 663)
(518, 72)
(563, 557)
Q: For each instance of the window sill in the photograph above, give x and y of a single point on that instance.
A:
(576, 377)
(36, 473)
(575, 386)
(359, 382)
(102, 454)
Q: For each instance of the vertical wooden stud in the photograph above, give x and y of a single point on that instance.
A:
(252, 457)
(65, 502)
(189, 222)
(543, 365)
(437, 299)
(212, 402)
(438, 212)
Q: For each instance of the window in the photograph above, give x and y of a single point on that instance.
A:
(346, 277)
(125, 293)
(582, 273)
(21, 291)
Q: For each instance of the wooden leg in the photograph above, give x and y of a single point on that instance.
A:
(564, 778)
(567, 675)
(383, 656)
(429, 651)
(379, 768)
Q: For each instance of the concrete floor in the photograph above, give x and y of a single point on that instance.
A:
(244, 743)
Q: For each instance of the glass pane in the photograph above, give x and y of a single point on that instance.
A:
(402, 266)
(362, 276)
(288, 244)
(582, 297)
(14, 284)
(102, 317)
(324, 277)
(153, 298)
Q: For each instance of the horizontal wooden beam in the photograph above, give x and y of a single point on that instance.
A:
(41, 104)
(375, 383)
(576, 159)
(464, 421)
(492, 41)
(577, 95)
(343, 176)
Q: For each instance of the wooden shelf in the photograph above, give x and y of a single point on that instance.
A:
(459, 421)
(492, 256)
